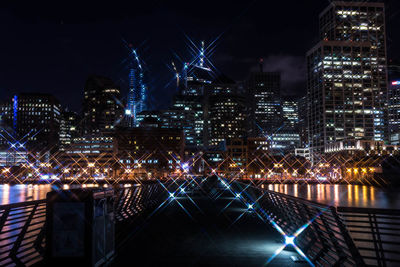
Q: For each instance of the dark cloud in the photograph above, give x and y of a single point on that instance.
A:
(292, 69)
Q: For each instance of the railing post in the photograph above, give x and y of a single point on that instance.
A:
(380, 256)
(355, 253)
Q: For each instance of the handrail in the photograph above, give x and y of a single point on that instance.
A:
(22, 225)
(376, 233)
(21, 228)
(337, 235)
(22, 204)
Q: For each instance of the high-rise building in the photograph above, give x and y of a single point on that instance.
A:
(193, 108)
(264, 96)
(102, 109)
(6, 130)
(36, 121)
(290, 113)
(180, 119)
(226, 112)
(137, 93)
(227, 116)
(192, 100)
(347, 79)
(303, 121)
(394, 104)
(68, 128)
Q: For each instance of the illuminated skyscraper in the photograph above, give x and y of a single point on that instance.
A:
(36, 121)
(347, 79)
(227, 115)
(6, 122)
(303, 121)
(290, 113)
(68, 128)
(137, 93)
(263, 89)
(192, 99)
(101, 108)
(192, 108)
(394, 104)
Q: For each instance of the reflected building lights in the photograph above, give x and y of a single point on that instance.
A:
(365, 195)
(309, 192)
(356, 196)
(349, 194)
(336, 194)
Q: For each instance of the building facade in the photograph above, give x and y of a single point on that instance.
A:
(227, 118)
(36, 121)
(290, 113)
(263, 89)
(347, 79)
(102, 110)
(68, 128)
(148, 148)
(394, 103)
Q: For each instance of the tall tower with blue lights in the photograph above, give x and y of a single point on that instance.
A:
(136, 102)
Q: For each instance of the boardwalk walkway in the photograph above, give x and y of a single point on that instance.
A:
(201, 228)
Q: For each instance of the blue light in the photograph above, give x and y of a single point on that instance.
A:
(289, 240)
(185, 167)
(238, 195)
(250, 206)
(15, 112)
(137, 89)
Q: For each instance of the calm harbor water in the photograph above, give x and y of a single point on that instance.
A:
(19, 193)
(337, 195)
(343, 195)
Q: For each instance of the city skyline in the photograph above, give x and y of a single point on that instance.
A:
(346, 100)
(66, 76)
(196, 134)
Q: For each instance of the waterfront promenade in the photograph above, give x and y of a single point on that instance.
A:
(202, 228)
(203, 221)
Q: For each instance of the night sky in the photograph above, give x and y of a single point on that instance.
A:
(53, 47)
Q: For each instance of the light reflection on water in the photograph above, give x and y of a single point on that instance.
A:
(19, 193)
(337, 195)
(342, 195)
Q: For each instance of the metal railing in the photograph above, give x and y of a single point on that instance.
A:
(22, 225)
(336, 236)
(130, 201)
(376, 234)
(22, 233)
(326, 242)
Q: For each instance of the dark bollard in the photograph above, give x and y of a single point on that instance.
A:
(79, 227)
